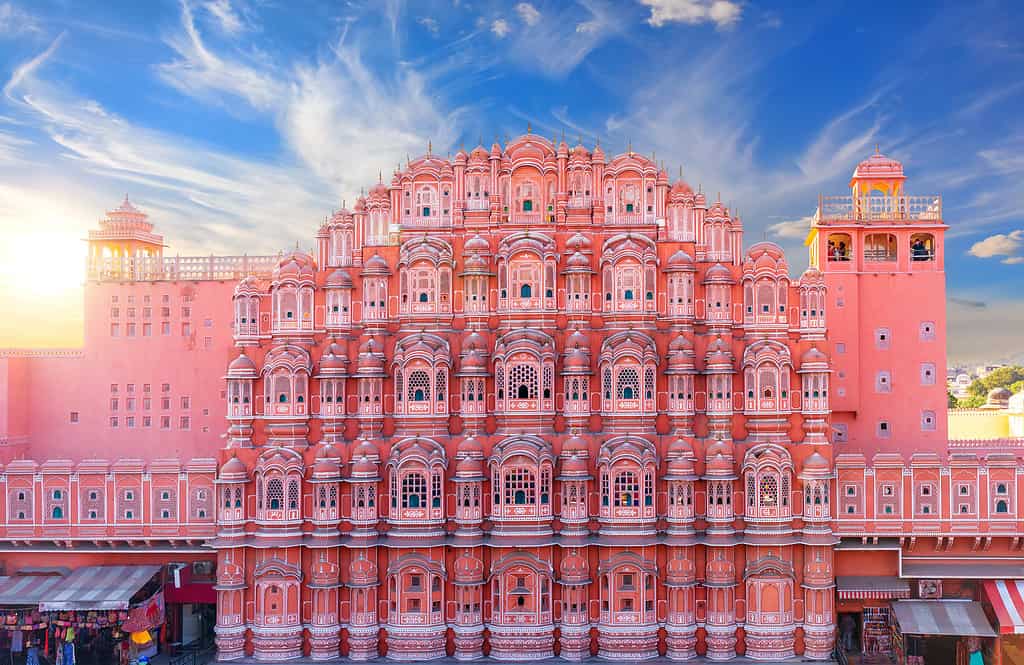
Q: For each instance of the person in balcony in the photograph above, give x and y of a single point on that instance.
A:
(841, 254)
(919, 251)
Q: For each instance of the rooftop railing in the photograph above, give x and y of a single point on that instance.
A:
(879, 208)
(180, 268)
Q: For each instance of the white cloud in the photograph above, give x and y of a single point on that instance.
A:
(794, 229)
(1009, 245)
(199, 72)
(11, 146)
(346, 123)
(28, 67)
(528, 13)
(15, 21)
(500, 28)
(577, 29)
(227, 18)
(722, 13)
(340, 123)
(431, 25)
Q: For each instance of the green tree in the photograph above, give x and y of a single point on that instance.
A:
(970, 402)
(1017, 387)
(1004, 377)
(950, 400)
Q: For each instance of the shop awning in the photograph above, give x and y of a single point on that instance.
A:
(957, 618)
(1007, 598)
(871, 587)
(86, 588)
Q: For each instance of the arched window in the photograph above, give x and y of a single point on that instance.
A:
(275, 494)
(414, 490)
(522, 379)
(525, 273)
(880, 247)
(628, 363)
(426, 203)
(417, 481)
(922, 247)
(419, 386)
(839, 247)
(680, 294)
(767, 471)
(627, 479)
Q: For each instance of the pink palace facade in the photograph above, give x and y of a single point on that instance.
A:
(530, 401)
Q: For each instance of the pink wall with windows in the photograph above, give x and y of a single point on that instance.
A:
(180, 360)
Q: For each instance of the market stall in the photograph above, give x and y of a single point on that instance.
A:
(82, 616)
(940, 631)
(865, 615)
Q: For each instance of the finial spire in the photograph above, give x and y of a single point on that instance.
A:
(680, 171)
(430, 146)
(629, 147)
(876, 150)
(528, 127)
(380, 176)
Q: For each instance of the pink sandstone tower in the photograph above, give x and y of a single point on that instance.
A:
(531, 401)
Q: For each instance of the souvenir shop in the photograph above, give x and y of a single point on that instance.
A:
(865, 617)
(954, 631)
(96, 615)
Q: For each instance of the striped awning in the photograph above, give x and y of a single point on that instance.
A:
(871, 587)
(86, 588)
(1007, 598)
(957, 618)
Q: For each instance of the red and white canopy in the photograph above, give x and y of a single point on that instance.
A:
(86, 588)
(1007, 598)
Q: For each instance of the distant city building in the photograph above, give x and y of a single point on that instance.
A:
(1000, 418)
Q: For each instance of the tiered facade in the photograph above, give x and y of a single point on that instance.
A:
(526, 402)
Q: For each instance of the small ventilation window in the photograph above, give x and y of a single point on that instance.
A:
(882, 336)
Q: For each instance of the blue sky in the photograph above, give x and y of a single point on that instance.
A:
(239, 124)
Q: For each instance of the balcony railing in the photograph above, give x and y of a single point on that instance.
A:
(478, 203)
(526, 217)
(880, 255)
(426, 222)
(180, 268)
(630, 218)
(580, 202)
(879, 208)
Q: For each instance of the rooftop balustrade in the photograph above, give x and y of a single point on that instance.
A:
(180, 268)
(878, 209)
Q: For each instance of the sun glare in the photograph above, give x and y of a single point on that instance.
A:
(41, 274)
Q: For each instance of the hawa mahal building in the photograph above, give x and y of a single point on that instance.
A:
(527, 402)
